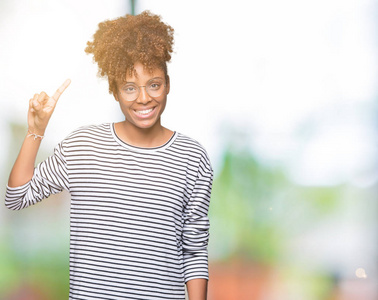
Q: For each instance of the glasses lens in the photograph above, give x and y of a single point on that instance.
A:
(155, 87)
(130, 91)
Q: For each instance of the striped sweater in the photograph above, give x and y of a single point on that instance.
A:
(138, 221)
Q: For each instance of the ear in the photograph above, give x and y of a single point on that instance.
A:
(115, 89)
(115, 94)
(168, 87)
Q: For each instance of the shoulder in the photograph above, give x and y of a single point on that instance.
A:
(90, 131)
(193, 148)
(189, 143)
(88, 135)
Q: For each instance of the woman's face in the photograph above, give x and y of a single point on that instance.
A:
(145, 111)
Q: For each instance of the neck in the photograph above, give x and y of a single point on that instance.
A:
(143, 137)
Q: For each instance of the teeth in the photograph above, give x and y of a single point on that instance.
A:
(143, 112)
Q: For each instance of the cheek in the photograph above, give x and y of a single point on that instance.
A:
(125, 106)
(163, 105)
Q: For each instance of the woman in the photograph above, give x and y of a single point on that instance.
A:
(139, 191)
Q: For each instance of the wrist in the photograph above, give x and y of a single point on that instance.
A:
(36, 134)
(36, 130)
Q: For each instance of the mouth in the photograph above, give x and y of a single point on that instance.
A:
(145, 112)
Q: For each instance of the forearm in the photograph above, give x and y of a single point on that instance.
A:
(23, 168)
(197, 289)
(41, 107)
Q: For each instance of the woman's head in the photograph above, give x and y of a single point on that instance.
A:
(118, 44)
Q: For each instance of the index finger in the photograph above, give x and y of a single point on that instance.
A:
(60, 90)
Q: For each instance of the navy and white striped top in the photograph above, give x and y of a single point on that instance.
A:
(139, 226)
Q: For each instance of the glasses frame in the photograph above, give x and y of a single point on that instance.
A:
(145, 87)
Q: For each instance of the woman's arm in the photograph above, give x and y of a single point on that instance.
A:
(41, 108)
(197, 289)
(23, 168)
(195, 233)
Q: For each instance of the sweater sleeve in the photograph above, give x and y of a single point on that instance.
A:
(196, 225)
(50, 177)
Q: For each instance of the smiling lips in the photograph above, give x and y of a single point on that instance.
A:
(145, 112)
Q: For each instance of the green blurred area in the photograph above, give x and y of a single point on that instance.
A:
(34, 268)
(254, 206)
(262, 224)
(41, 276)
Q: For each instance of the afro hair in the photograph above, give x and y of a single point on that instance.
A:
(118, 44)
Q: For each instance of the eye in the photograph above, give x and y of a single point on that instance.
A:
(130, 88)
(155, 85)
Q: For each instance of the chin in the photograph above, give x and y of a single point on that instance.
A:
(145, 125)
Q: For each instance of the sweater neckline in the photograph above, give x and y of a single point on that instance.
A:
(141, 149)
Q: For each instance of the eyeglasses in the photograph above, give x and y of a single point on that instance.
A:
(155, 87)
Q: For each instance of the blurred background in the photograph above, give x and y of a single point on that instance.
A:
(282, 94)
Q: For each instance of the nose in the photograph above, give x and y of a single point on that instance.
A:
(143, 96)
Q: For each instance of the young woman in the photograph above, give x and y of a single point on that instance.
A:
(139, 191)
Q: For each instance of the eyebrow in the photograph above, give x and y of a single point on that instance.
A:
(158, 77)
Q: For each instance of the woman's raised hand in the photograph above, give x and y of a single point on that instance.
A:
(41, 107)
